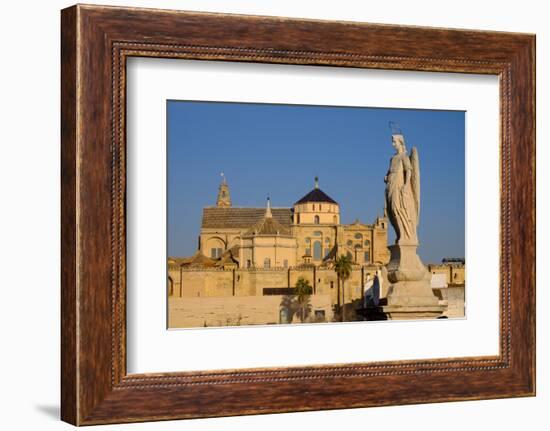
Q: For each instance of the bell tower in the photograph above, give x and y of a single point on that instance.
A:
(224, 197)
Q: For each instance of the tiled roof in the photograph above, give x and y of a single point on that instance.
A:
(241, 218)
(178, 260)
(268, 226)
(316, 195)
(198, 260)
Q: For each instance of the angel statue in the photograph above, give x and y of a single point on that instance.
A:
(403, 192)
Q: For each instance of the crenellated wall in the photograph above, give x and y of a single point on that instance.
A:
(208, 282)
(455, 273)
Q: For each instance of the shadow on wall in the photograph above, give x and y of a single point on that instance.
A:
(292, 311)
(351, 311)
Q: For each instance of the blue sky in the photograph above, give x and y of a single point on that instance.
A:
(277, 150)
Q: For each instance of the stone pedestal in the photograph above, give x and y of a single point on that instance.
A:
(410, 295)
(405, 265)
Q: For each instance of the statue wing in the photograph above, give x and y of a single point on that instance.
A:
(415, 180)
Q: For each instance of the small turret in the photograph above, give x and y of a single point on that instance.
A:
(224, 197)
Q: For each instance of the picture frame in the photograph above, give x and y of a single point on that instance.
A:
(96, 41)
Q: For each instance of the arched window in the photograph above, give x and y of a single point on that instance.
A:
(267, 263)
(316, 219)
(216, 246)
(298, 219)
(317, 250)
(358, 236)
(215, 253)
(367, 243)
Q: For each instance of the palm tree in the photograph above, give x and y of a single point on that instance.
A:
(342, 267)
(303, 291)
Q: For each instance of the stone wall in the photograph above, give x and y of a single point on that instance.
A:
(454, 298)
(214, 282)
(455, 273)
(221, 297)
(243, 310)
(455, 301)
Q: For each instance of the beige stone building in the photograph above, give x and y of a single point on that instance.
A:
(308, 232)
(453, 270)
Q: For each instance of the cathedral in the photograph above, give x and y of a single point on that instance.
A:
(308, 233)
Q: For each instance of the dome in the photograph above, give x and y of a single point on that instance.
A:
(268, 225)
(316, 195)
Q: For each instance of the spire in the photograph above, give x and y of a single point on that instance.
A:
(268, 209)
(316, 182)
(224, 197)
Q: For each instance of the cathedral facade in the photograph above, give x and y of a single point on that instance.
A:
(308, 233)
